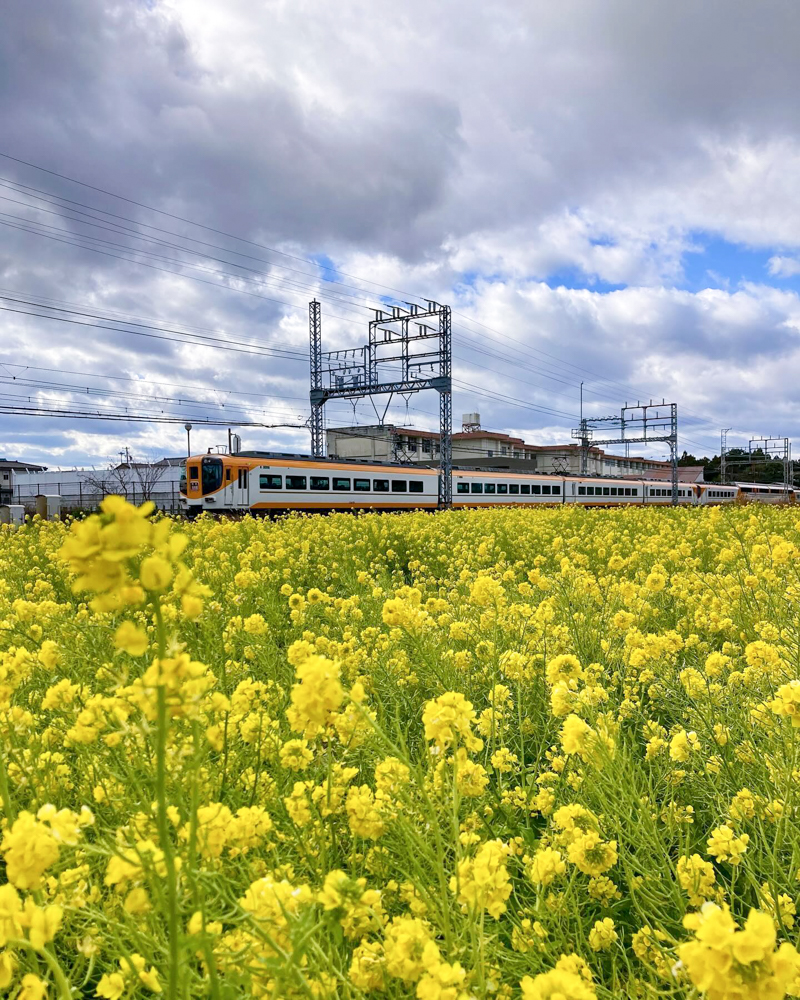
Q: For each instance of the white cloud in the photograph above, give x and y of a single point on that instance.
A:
(783, 267)
(416, 144)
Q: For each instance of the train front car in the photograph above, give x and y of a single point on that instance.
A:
(207, 484)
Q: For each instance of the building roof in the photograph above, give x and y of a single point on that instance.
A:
(686, 473)
(492, 435)
(595, 450)
(14, 465)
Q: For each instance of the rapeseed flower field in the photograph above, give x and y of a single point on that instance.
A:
(542, 753)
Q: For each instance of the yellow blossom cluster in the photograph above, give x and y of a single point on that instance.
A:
(546, 754)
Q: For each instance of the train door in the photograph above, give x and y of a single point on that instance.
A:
(241, 489)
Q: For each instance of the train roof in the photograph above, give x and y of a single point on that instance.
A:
(783, 487)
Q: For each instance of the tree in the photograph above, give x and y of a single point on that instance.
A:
(147, 475)
(136, 481)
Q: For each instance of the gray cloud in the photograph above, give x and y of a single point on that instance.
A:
(466, 152)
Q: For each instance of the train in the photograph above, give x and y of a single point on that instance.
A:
(274, 483)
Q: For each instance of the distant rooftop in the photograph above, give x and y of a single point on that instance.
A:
(15, 465)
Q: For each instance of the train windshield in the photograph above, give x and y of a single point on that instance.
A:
(211, 475)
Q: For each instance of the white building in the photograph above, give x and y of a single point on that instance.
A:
(85, 488)
(473, 446)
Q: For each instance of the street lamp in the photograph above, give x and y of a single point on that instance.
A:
(188, 440)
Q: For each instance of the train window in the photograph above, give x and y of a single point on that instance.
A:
(477, 487)
(627, 491)
(343, 485)
(606, 491)
(514, 488)
(557, 489)
(462, 487)
(228, 472)
(320, 483)
(194, 472)
(613, 491)
(525, 489)
(399, 486)
(488, 488)
(211, 475)
(295, 482)
(590, 491)
(581, 491)
(361, 485)
(536, 488)
(635, 491)
(502, 488)
(546, 488)
(270, 482)
(380, 485)
(416, 486)
(652, 492)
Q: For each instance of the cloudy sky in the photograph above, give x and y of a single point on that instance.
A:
(604, 192)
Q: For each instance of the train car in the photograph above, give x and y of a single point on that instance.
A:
(489, 488)
(659, 493)
(716, 493)
(768, 492)
(593, 492)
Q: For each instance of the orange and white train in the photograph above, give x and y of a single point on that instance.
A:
(272, 483)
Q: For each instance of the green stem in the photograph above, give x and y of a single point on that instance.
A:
(163, 822)
(62, 983)
(8, 808)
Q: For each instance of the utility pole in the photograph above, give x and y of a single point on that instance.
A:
(317, 398)
(723, 447)
(189, 440)
(584, 438)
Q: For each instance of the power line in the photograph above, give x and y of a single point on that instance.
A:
(85, 391)
(73, 414)
(275, 349)
(149, 381)
(163, 270)
(80, 390)
(347, 300)
(149, 254)
(40, 196)
(219, 346)
(199, 225)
